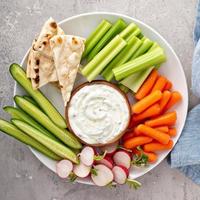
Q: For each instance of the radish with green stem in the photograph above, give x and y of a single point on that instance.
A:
(87, 156)
(111, 148)
(107, 161)
(64, 168)
(120, 174)
(103, 175)
(122, 158)
(81, 170)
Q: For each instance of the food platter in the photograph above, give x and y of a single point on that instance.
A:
(82, 25)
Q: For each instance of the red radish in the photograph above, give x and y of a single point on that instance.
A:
(107, 161)
(81, 170)
(120, 174)
(87, 156)
(122, 158)
(111, 148)
(64, 168)
(103, 177)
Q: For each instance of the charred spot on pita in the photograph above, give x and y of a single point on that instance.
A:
(53, 25)
(37, 79)
(59, 40)
(44, 43)
(36, 70)
(37, 62)
(74, 41)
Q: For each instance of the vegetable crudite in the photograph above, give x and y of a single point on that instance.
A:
(103, 116)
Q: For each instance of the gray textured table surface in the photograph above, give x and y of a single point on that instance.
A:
(22, 176)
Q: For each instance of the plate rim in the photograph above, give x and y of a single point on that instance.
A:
(156, 33)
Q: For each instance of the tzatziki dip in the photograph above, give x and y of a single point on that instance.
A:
(98, 113)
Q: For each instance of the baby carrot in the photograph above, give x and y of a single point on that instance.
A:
(136, 141)
(152, 157)
(168, 85)
(172, 132)
(149, 112)
(155, 146)
(153, 133)
(160, 84)
(164, 129)
(146, 102)
(164, 100)
(175, 98)
(167, 119)
(147, 85)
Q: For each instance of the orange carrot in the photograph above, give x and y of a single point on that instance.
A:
(175, 98)
(152, 157)
(168, 85)
(136, 141)
(168, 119)
(137, 133)
(147, 85)
(164, 129)
(153, 133)
(164, 100)
(160, 84)
(155, 146)
(146, 102)
(172, 132)
(149, 112)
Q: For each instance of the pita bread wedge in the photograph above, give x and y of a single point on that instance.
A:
(40, 66)
(67, 52)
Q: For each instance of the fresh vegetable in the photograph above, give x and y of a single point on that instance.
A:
(123, 88)
(146, 102)
(146, 44)
(81, 170)
(40, 117)
(116, 28)
(136, 32)
(28, 98)
(13, 131)
(120, 174)
(147, 85)
(103, 175)
(64, 168)
(175, 98)
(143, 62)
(159, 84)
(167, 119)
(161, 137)
(152, 157)
(165, 99)
(136, 141)
(128, 135)
(20, 76)
(134, 81)
(127, 32)
(17, 113)
(51, 144)
(132, 45)
(149, 112)
(87, 156)
(107, 161)
(122, 158)
(110, 148)
(172, 132)
(145, 157)
(156, 146)
(100, 61)
(168, 85)
(164, 129)
(96, 36)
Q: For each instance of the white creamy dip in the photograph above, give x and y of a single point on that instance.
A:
(98, 113)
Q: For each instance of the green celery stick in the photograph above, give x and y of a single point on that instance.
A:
(136, 32)
(97, 64)
(141, 63)
(20, 76)
(123, 88)
(128, 31)
(131, 47)
(36, 113)
(117, 27)
(143, 48)
(134, 81)
(96, 36)
(17, 113)
(51, 144)
(140, 36)
(13, 131)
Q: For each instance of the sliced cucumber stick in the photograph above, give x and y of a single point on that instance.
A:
(20, 76)
(28, 98)
(13, 131)
(40, 117)
(54, 146)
